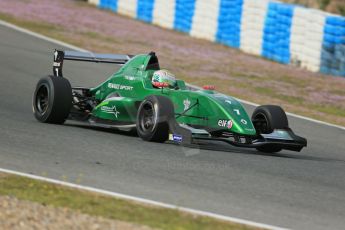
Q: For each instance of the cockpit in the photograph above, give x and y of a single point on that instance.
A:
(162, 78)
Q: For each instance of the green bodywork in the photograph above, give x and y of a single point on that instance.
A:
(121, 94)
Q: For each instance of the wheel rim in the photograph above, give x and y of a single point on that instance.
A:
(148, 117)
(261, 123)
(42, 99)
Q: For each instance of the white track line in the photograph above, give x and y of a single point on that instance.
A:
(142, 200)
(52, 40)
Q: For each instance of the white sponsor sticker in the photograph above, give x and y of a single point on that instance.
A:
(186, 104)
(228, 101)
(55, 55)
(119, 86)
(130, 78)
(111, 110)
(225, 123)
(244, 121)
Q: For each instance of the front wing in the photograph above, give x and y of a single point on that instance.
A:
(283, 138)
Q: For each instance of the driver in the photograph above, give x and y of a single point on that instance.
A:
(164, 76)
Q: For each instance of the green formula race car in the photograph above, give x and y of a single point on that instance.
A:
(142, 97)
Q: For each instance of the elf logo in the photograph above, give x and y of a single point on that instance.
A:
(225, 123)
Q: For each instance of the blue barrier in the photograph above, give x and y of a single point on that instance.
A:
(184, 11)
(277, 31)
(108, 4)
(145, 10)
(333, 46)
(229, 22)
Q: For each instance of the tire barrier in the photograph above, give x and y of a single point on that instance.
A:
(286, 33)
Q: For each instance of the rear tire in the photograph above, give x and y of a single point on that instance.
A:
(153, 118)
(52, 100)
(266, 118)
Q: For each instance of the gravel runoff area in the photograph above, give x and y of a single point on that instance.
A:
(20, 214)
(197, 61)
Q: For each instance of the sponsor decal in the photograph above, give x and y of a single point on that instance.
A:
(237, 111)
(175, 137)
(111, 110)
(225, 123)
(55, 55)
(229, 125)
(129, 78)
(118, 86)
(186, 104)
(244, 121)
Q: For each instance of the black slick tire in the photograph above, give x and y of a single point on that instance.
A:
(52, 100)
(153, 118)
(267, 118)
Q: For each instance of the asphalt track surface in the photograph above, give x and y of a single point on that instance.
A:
(303, 190)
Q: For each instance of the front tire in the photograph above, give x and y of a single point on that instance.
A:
(153, 118)
(266, 119)
(52, 100)
(269, 149)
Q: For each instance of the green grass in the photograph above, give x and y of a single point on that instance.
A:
(329, 110)
(38, 27)
(105, 206)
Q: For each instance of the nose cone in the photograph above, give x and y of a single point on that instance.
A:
(237, 118)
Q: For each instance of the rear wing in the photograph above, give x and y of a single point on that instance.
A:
(60, 56)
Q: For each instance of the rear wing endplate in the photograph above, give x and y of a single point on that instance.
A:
(60, 56)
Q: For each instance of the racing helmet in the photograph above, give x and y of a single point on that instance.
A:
(163, 76)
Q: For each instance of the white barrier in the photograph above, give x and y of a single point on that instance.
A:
(164, 13)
